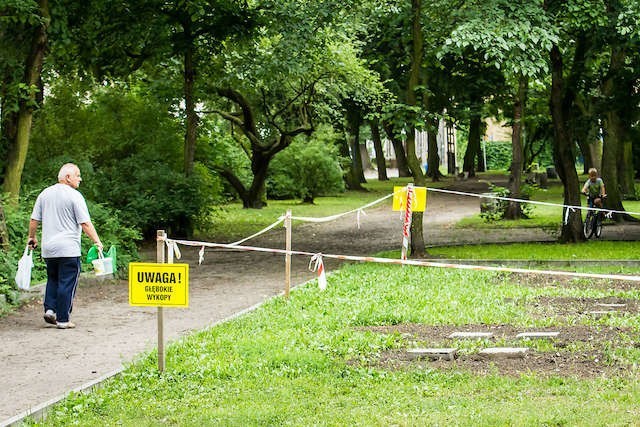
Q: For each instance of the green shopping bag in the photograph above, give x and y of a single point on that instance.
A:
(93, 254)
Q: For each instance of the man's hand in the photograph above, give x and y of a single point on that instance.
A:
(32, 243)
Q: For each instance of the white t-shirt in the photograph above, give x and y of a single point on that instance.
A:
(61, 209)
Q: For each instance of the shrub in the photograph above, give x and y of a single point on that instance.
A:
(498, 207)
(305, 170)
(498, 155)
(130, 152)
(150, 195)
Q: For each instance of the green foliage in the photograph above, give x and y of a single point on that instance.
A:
(498, 155)
(129, 151)
(515, 36)
(151, 195)
(17, 219)
(306, 170)
(497, 208)
(113, 230)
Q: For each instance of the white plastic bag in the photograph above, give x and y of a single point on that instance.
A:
(23, 275)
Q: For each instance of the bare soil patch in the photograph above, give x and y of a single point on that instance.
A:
(538, 280)
(578, 351)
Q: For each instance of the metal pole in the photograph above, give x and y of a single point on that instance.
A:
(160, 242)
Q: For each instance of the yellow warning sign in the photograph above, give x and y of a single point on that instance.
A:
(419, 203)
(152, 284)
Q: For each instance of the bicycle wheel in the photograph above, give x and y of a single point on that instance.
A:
(588, 225)
(598, 227)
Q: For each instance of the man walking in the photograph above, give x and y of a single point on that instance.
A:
(63, 213)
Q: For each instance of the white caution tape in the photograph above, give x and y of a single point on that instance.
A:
(358, 214)
(264, 230)
(201, 255)
(567, 211)
(333, 217)
(172, 247)
(416, 262)
(532, 202)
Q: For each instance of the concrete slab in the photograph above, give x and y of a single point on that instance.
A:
(538, 335)
(471, 335)
(600, 314)
(433, 353)
(504, 352)
(601, 304)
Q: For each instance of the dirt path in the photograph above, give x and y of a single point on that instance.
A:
(40, 363)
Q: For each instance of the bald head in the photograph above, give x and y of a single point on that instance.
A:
(70, 175)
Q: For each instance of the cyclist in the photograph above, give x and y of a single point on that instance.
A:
(594, 189)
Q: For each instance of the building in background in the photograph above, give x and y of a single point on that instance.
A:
(446, 139)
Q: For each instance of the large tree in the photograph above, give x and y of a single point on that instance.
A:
(516, 37)
(303, 67)
(23, 45)
(170, 39)
(588, 75)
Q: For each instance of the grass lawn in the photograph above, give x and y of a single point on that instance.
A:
(316, 360)
(338, 357)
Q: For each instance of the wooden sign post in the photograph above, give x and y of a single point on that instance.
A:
(287, 257)
(160, 284)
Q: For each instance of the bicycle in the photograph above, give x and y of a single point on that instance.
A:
(593, 222)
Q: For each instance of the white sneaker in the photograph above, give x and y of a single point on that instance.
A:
(50, 317)
(65, 325)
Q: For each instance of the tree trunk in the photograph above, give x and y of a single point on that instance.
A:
(4, 232)
(595, 150)
(616, 173)
(191, 132)
(609, 162)
(255, 197)
(350, 178)
(587, 153)
(377, 145)
(473, 146)
(419, 178)
(564, 155)
(18, 146)
(433, 157)
(625, 166)
(398, 149)
(354, 120)
(514, 210)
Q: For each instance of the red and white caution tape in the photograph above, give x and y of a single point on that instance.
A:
(406, 224)
(316, 264)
